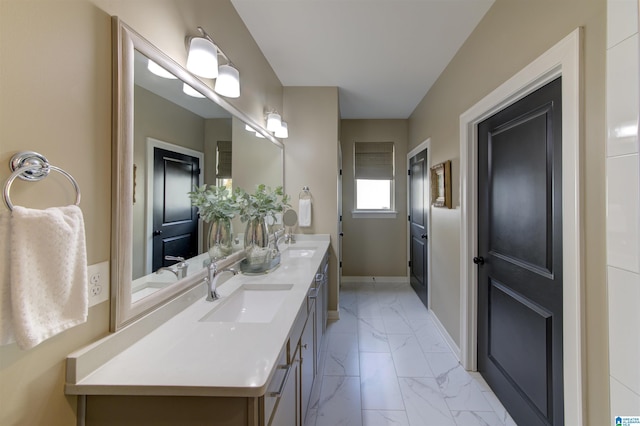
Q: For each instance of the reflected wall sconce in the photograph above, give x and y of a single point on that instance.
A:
(202, 60)
(191, 91)
(159, 71)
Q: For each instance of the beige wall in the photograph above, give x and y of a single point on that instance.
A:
(510, 36)
(311, 159)
(374, 247)
(55, 80)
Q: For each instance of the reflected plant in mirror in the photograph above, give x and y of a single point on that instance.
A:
(216, 206)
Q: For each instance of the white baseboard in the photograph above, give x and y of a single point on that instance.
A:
(447, 338)
(377, 280)
(333, 315)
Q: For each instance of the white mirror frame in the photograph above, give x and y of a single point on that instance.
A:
(125, 42)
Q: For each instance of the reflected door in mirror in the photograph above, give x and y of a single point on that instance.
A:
(175, 220)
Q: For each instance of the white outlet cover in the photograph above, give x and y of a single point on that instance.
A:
(98, 282)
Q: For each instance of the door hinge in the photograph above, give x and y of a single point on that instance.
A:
(409, 172)
(340, 172)
(409, 264)
(340, 218)
(409, 218)
(341, 263)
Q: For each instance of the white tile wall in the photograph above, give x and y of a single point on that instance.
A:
(624, 402)
(622, 16)
(624, 326)
(622, 98)
(622, 212)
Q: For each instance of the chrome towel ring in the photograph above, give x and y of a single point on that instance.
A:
(31, 166)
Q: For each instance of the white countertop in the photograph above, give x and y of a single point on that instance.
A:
(185, 356)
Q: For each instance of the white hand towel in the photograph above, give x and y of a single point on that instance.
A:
(304, 212)
(48, 272)
(6, 330)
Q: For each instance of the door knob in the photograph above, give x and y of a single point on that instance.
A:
(423, 236)
(157, 232)
(478, 260)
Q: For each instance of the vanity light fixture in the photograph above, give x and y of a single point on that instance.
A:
(228, 81)
(202, 57)
(191, 91)
(274, 121)
(159, 71)
(283, 131)
(202, 60)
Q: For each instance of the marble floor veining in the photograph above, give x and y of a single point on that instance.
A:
(385, 363)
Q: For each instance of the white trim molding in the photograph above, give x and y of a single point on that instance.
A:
(445, 334)
(565, 60)
(376, 280)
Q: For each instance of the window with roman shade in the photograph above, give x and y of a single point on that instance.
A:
(224, 160)
(374, 176)
(374, 160)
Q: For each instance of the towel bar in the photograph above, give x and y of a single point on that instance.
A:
(31, 166)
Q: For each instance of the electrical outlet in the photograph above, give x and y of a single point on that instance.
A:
(98, 281)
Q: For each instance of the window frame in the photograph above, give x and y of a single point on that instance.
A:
(391, 212)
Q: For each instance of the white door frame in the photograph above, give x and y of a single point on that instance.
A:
(424, 145)
(563, 59)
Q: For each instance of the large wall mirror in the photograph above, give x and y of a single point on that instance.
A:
(166, 141)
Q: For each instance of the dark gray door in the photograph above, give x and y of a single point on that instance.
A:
(418, 211)
(520, 256)
(175, 221)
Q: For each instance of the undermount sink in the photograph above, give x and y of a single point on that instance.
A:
(303, 252)
(250, 303)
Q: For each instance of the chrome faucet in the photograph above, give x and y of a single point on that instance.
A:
(179, 269)
(212, 280)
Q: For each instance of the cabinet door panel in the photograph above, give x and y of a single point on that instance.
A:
(286, 412)
(307, 360)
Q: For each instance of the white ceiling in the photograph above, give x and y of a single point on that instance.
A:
(383, 55)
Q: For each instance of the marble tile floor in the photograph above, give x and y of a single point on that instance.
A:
(386, 363)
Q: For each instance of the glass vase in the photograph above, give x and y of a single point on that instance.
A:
(256, 241)
(220, 239)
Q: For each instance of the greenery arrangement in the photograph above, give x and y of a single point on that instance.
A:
(262, 203)
(214, 202)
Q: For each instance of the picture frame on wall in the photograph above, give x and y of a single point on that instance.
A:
(441, 185)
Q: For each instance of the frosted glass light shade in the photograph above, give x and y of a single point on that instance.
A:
(191, 91)
(202, 59)
(283, 131)
(159, 71)
(228, 82)
(274, 121)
